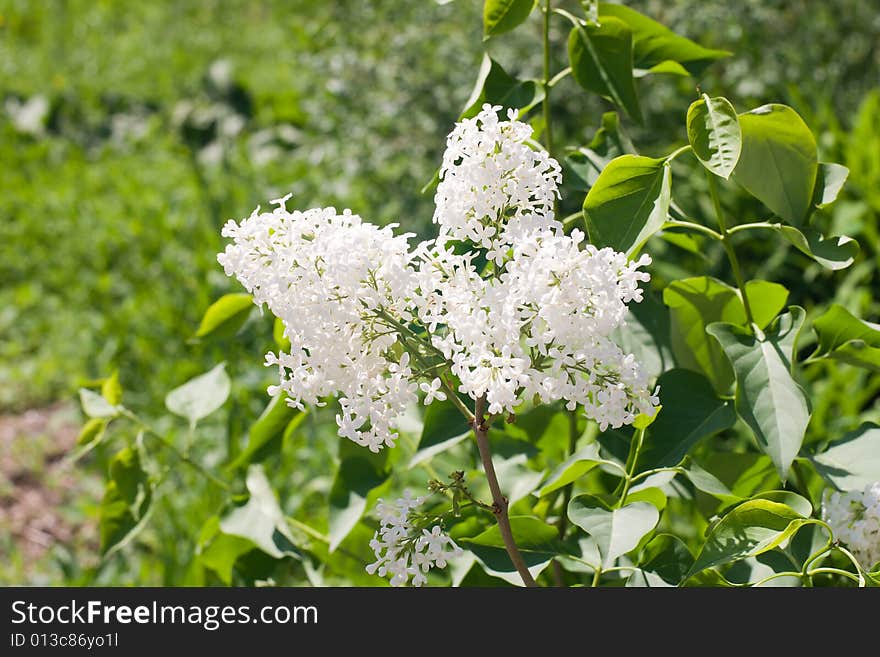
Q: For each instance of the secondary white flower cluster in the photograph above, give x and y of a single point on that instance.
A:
(402, 550)
(329, 277)
(854, 517)
(373, 322)
(494, 188)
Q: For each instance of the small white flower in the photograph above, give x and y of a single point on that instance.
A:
(401, 550)
(432, 391)
(854, 517)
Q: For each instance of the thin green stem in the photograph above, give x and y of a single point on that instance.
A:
(855, 562)
(770, 578)
(548, 125)
(307, 530)
(150, 431)
(758, 225)
(632, 461)
(836, 571)
(690, 225)
(648, 473)
(564, 73)
(674, 154)
(728, 248)
(597, 575)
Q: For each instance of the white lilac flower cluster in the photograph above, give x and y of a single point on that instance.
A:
(535, 322)
(854, 517)
(402, 550)
(493, 188)
(328, 276)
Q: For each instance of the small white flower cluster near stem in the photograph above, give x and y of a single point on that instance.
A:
(402, 550)
(854, 517)
(372, 321)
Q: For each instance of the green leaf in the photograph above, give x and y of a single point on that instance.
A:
(500, 16)
(616, 531)
(278, 336)
(111, 389)
(667, 67)
(608, 143)
(654, 44)
(778, 165)
(714, 134)
(852, 462)
(496, 87)
(830, 178)
(848, 339)
(601, 58)
(691, 411)
(200, 396)
(361, 479)
(127, 501)
(575, 467)
(264, 436)
(218, 551)
(832, 252)
(797, 502)
(753, 527)
(538, 543)
(646, 335)
(768, 399)
(668, 557)
(261, 520)
(697, 302)
(444, 427)
(530, 533)
(92, 431)
(710, 484)
(628, 203)
(95, 405)
(226, 316)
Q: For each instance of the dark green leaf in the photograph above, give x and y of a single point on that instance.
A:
(201, 395)
(848, 339)
(628, 203)
(219, 552)
(710, 484)
(127, 501)
(496, 87)
(361, 479)
(646, 335)
(667, 556)
(691, 411)
(768, 399)
(608, 143)
(500, 16)
(852, 462)
(444, 427)
(832, 253)
(714, 134)
(751, 528)
(226, 316)
(616, 531)
(655, 44)
(778, 165)
(264, 436)
(601, 58)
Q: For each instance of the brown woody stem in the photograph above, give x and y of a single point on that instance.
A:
(499, 502)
